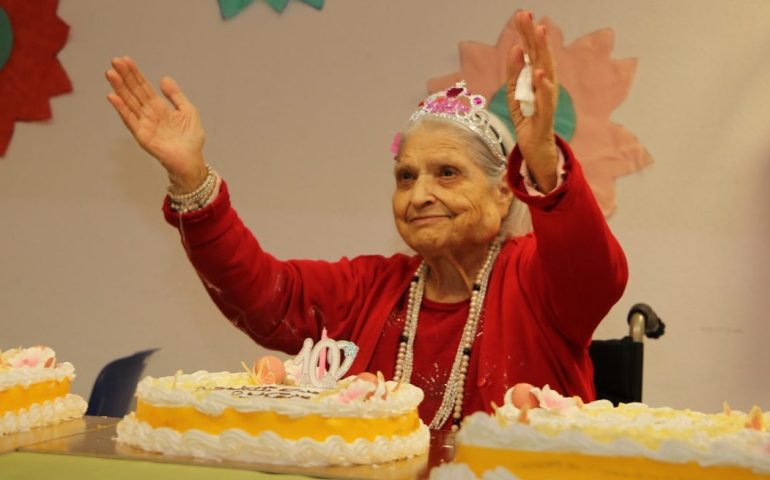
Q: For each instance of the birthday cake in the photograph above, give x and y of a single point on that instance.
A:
(277, 412)
(34, 390)
(539, 434)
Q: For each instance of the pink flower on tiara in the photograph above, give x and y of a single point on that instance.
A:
(454, 91)
(395, 144)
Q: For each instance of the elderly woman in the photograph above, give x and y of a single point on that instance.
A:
(476, 310)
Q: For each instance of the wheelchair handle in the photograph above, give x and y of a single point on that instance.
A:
(645, 322)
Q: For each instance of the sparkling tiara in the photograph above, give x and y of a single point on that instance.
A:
(460, 105)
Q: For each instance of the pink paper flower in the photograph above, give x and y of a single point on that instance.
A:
(597, 85)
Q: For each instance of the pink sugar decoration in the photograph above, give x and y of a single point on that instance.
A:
(351, 394)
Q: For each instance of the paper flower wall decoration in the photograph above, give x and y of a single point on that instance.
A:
(231, 8)
(31, 36)
(592, 85)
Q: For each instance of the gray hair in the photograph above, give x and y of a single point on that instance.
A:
(518, 221)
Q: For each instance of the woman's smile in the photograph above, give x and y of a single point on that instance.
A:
(425, 220)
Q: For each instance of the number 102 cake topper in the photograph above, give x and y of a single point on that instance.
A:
(339, 354)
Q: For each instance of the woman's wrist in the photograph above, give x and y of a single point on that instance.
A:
(183, 182)
(530, 182)
(543, 169)
(185, 200)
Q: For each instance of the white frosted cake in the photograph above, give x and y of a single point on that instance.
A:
(563, 438)
(260, 416)
(34, 390)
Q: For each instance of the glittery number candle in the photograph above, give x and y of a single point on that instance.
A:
(326, 350)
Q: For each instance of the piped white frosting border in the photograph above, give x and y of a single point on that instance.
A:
(42, 414)
(461, 471)
(236, 444)
(26, 376)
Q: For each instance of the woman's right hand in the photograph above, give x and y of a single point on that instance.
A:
(172, 133)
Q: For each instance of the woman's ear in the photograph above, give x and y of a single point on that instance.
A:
(504, 197)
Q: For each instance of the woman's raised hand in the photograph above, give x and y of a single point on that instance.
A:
(170, 132)
(535, 134)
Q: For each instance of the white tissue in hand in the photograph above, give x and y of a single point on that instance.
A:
(524, 92)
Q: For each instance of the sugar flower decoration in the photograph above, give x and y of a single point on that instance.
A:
(553, 401)
(34, 357)
(358, 389)
(293, 372)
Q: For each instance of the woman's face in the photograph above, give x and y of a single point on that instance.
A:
(443, 201)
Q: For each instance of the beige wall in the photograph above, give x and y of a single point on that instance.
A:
(300, 109)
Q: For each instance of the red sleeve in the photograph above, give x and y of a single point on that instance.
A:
(277, 303)
(576, 266)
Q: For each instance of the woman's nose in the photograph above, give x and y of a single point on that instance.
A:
(422, 192)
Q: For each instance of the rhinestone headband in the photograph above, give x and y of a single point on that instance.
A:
(458, 104)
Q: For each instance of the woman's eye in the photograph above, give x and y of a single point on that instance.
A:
(404, 175)
(447, 172)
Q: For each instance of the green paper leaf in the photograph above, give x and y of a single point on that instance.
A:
(278, 5)
(231, 8)
(564, 122)
(318, 4)
(6, 38)
(566, 119)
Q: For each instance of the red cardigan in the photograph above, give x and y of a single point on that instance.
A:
(547, 293)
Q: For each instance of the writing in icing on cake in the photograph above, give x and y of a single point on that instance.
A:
(265, 391)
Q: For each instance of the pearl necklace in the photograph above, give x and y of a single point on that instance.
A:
(452, 402)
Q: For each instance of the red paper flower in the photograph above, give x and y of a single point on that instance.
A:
(31, 35)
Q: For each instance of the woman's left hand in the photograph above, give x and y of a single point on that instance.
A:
(535, 135)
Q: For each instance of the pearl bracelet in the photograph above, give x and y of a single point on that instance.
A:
(197, 199)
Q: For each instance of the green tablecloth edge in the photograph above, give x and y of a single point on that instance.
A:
(30, 465)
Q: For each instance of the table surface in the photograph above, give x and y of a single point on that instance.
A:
(16, 441)
(95, 437)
